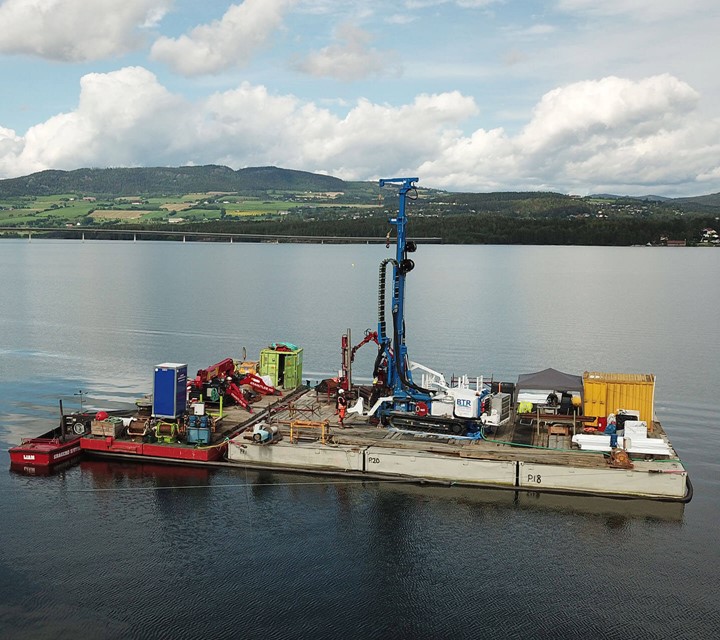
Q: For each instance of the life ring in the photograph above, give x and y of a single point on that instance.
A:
(421, 409)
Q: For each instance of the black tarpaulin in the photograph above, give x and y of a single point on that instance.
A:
(549, 380)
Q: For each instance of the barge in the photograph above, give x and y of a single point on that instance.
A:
(549, 431)
(45, 451)
(518, 455)
(58, 446)
(301, 432)
(526, 446)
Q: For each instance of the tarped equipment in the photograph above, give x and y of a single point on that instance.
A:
(284, 346)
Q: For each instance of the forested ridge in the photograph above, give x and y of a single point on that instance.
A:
(165, 181)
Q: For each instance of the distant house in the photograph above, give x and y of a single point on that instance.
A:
(89, 198)
(710, 237)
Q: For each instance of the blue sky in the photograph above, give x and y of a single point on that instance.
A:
(576, 96)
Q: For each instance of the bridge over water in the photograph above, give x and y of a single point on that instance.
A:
(114, 233)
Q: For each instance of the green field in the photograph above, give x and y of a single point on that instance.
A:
(73, 209)
(59, 210)
(51, 210)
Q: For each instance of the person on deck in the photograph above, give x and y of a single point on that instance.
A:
(341, 407)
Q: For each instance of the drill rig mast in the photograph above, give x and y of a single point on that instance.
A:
(439, 408)
(393, 348)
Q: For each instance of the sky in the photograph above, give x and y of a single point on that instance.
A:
(575, 96)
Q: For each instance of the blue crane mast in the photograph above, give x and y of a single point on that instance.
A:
(396, 399)
(393, 349)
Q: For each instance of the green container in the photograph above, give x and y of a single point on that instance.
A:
(284, 368)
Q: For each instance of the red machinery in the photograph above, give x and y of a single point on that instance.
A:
(348, 355)
(256, 383)
(222, 377)
(236, 394)
(221, 370)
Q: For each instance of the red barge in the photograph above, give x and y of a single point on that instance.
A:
(109, 445)
(185, 420)
(45, 452)
(58, 445)
(189, 420)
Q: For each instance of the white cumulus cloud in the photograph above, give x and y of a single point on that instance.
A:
(225, 43)
(121, 117)
(611, 134)
(466, 4)
(76, 30)
(614, 106)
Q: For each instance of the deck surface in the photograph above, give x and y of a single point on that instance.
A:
(42, 445)
(502, 443)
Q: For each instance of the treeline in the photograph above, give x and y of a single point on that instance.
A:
(475, 229)
(577, 231)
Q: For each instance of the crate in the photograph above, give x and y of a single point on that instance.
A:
(106, 428)
(558, 430)
(247, 366)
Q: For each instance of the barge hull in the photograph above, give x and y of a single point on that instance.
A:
(153, 450)
(401, 465)
(44, 452)
(649, 482)
(646, 481)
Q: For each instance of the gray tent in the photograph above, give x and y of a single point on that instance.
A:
(549, 379)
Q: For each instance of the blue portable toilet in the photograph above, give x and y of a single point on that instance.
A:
(169, 390)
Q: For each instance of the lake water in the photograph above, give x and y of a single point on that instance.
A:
(117, 550)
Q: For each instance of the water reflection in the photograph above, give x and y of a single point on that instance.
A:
(395, 504)
(49, 470)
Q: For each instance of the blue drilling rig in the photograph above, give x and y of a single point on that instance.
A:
(433, 405)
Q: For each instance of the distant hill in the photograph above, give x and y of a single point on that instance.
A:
(614, 196)
(275, 182)
(167, 181)
(710, 200)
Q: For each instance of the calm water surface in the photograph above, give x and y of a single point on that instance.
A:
(115, 550)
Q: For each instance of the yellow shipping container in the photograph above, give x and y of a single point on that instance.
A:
(606, 393)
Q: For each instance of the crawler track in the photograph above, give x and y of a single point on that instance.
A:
(429, 424)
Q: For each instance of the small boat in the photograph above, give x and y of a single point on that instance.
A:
(60, 444)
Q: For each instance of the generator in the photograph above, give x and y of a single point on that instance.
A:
(199, 429)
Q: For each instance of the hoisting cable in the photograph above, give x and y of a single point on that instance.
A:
(381, 297)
